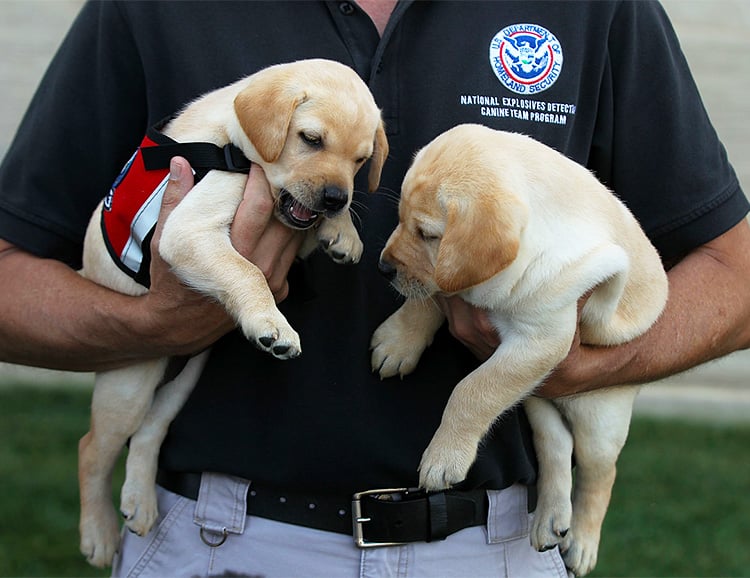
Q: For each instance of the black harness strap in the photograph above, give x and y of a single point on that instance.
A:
(202, 156)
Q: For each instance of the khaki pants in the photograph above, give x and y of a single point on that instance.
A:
(255, 547)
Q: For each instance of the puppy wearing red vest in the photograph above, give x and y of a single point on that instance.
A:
(311, 125)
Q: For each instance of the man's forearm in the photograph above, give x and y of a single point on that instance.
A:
(52, 317)
(707, 316)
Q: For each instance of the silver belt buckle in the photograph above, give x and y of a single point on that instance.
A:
(358, 520)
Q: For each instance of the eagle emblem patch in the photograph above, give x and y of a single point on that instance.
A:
(526, 58)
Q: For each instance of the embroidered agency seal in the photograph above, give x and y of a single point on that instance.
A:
(526, 58)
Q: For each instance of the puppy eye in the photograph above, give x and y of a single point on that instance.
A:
(360, 160)
(425, 236)
(313, 140)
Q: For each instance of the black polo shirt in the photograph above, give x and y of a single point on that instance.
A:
(603, 82)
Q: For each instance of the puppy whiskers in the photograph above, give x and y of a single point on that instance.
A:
(412, 289)
(391, 195)
(353, 210)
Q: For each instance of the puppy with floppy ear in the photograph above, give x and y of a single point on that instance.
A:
(311, 125)
(264, 111)
(515, 228)
(464, 224)
(267, 126)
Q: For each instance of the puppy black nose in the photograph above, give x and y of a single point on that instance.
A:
(387, 269)
(334, 199)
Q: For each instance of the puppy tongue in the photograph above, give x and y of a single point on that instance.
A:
(300, 212)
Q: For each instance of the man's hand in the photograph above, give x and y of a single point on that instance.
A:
(261, 238)
(53, 317)
(566, 378)
(470, 325)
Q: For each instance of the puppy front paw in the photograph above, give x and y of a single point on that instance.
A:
(396, 349)
(445, 462)
(272, 333)
(389, 359)
(339, 238)
(344, 249)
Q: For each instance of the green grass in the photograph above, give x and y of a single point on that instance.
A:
(681, 505)
(39, 433)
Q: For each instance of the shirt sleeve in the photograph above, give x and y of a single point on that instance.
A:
(84, 121)
(655, 145)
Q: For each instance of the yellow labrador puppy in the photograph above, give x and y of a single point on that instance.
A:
(516, 228)
(311, 125)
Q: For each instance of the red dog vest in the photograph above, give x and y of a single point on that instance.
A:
(132, 205)
(129, 214)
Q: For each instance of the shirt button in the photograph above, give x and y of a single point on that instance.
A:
(346, 8)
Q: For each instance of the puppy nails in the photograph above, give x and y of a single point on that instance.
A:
(326, 244)
(267, 341)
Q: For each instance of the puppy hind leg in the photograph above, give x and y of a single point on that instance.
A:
(138, 503)
(593, 488)
(553, 443)
(120, 401)
(98, 525)
(600, 423)
(613, 315)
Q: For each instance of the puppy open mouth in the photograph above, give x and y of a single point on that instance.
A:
(294, 213)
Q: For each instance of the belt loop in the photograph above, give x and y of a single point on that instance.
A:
(221, 507)
(508, 517)
(438, 516)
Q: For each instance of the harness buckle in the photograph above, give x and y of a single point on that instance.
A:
(235, 159)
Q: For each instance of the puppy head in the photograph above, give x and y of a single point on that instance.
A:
(459, 222)
(313, 124)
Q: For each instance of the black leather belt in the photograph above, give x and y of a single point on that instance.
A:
(374, 517)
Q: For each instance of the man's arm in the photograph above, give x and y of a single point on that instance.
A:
(707, 316)
(52, 317)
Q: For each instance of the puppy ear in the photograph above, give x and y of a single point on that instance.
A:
(482, 237)
(380, 153)
(264, 110)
